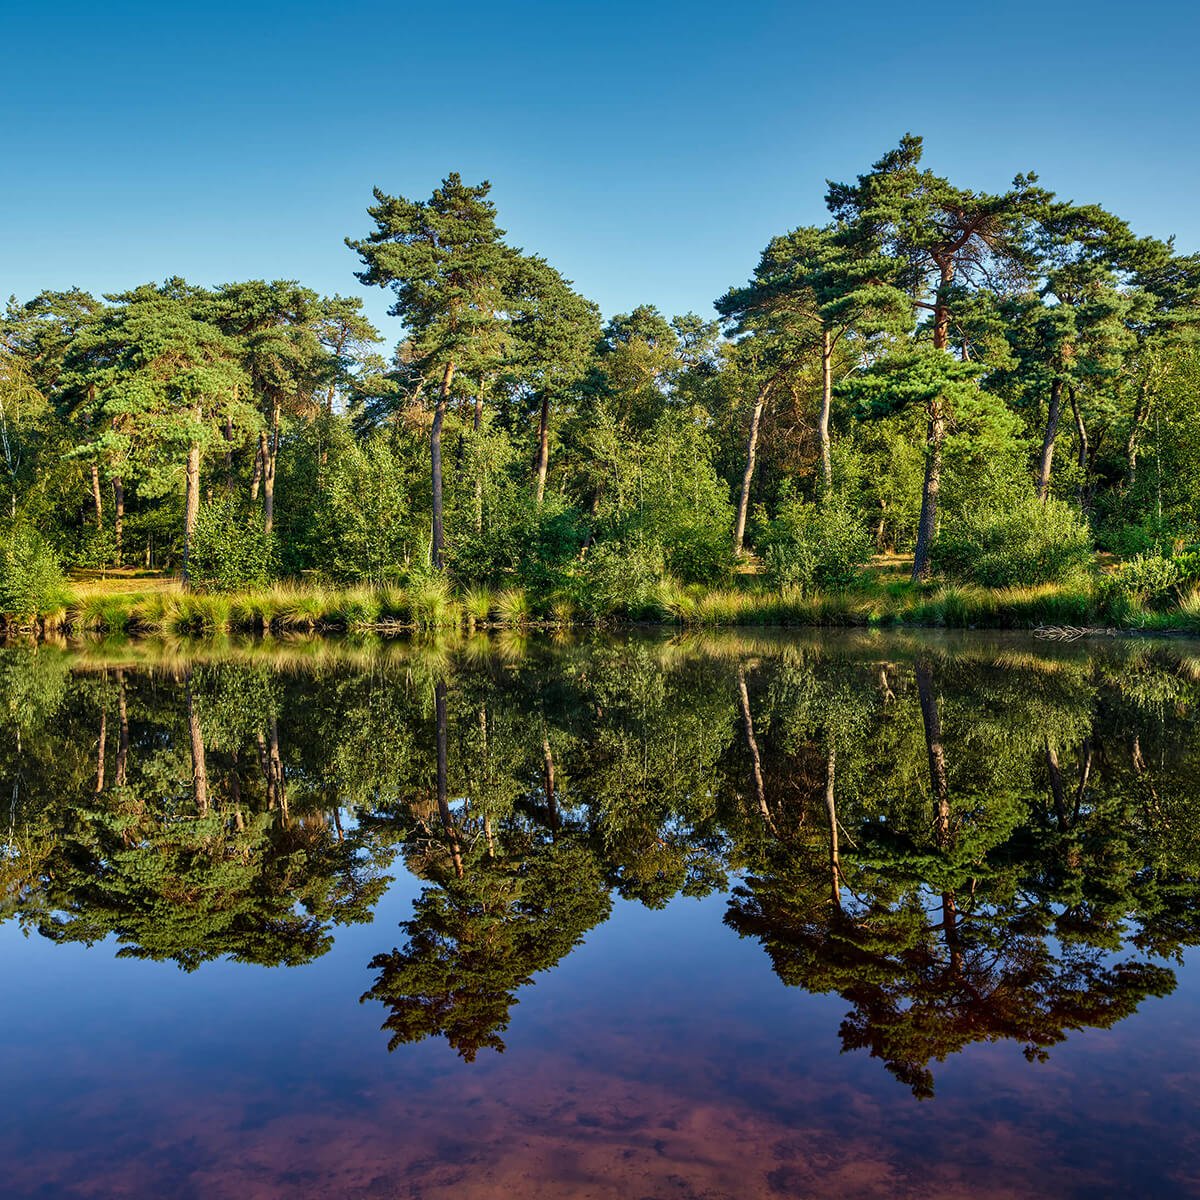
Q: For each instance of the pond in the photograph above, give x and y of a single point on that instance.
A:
(740, 915)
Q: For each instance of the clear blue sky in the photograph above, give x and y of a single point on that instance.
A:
(647, 149)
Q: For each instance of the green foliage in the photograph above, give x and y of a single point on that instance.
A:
(1146, 581)
(230, 549)
(31, 581)
(1015, 541)
(807, 545)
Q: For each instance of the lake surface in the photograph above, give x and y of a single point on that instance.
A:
(845, 915)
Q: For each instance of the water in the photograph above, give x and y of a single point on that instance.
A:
(566, 918)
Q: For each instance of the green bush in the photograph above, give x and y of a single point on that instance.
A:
(31, 580)
(1019, 542)
(814, 545)
(622, 578)
(230, 550)
(1146, 581)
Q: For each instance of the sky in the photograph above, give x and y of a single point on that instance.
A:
(648, 150)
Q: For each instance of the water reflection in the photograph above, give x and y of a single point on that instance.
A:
(963, 840)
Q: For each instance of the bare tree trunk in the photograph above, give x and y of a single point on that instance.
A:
(277, 772)
(1081, 437)
(191, 499)
(118, 514)
(826, 406)
(739, 529)
(270, 457)
(97, 500)
(435, 454)
(199, 763)
(1046, 462)
(543, 455)
(229, 455)
(1140, 412)
(256, 474)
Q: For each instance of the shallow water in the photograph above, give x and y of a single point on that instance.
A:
(567, 918)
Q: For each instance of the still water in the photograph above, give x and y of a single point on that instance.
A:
(695, 917)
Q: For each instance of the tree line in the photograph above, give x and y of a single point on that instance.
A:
(996, 383)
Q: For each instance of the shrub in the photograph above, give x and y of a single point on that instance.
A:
(229, 550)
(814, 545)
(1021, 542)
(1146, 581)
(622, 578)
(31, 581)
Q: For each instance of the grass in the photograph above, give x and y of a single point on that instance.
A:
(163, 607)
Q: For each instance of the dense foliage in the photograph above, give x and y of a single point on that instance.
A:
(999, 384)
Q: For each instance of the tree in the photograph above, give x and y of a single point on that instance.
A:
(944, 237)
(449, 268)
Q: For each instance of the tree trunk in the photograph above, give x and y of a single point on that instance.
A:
(826, 405)
(118, 514)
(270, 457)
(936, 435)
(543, 454)
(199, 763)
(1081, 451)
(447, 818)
(229, 455)
(835, 863)
(97, 501)
(191, 499)
(927, 527)
(739, 529)
(256, 474)
(938, 782)
(1046, 461)
(435, 454)
(1140, 412)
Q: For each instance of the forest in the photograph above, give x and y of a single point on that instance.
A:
(942, 406)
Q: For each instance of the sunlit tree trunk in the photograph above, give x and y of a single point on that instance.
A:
(935, 751)
(739, 528)
(551, 797)
(118, 515)
(435, 453)
(1046, 462)
(270, 452)
(191, 499)
(101, 746)
(543, 455)
(934, 440)
(826, 407)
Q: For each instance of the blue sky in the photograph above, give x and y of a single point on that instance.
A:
(648, 149)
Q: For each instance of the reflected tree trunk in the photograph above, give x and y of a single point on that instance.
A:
(760, 791)
(443, 802)
(935, 751)
(101, 745)
(123, 737)
(551, 798)
(199, 763)
(835, 862)
(1056, 785)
